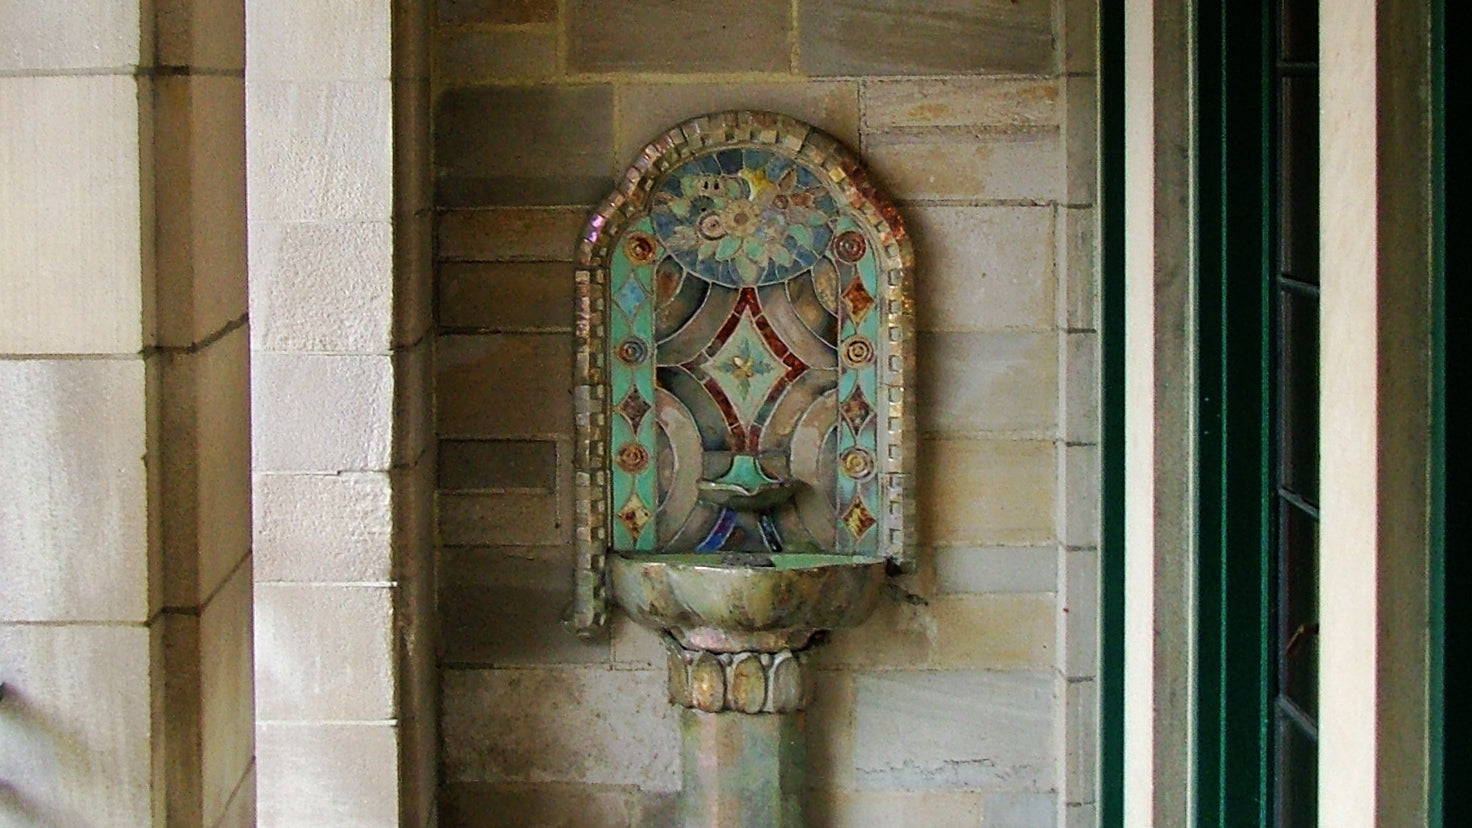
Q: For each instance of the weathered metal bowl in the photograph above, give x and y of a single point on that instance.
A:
(709, 605)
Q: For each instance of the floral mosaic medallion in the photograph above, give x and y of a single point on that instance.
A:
(744, 217)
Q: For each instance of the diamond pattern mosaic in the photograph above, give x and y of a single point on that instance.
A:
(633, 406)
(761, 296)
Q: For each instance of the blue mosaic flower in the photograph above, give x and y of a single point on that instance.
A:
(744, 217)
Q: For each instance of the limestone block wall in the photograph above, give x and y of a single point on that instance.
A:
(973, 704)
(340, 236)
(125, 600)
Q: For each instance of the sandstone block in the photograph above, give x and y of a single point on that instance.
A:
(546, 234)
(76, 723)
(971, 382)
(634, 644)
(240, 810)
(93, 34)
(74, 499)
(324, 652)
(470, 804)
(982, 492)
(414, 281)
(321, 413)
(962, 102)
(1003, 166)
(199, 205)
(319, 286)
(71, 255)
(504, 607)
(655, 36)
(933, 808)
(477, 56)
(518, 297)
(1013, 631)
(953, 730)
(1078, 628)
(201, 33)
(983, 268)
(319, 40)
(1081, 137)
(914, 37)
(413, 418)
(992, 569)
(319, 150)
(502, 12)
(523, 145)
(1080, 724)
(1078, 268)
(329, 775)
(227, 700)
(566, 724)
(1020, 810)
(504, 385)
(498, 464)
(323, 527)
(502, 519)
(1080, 815)
(1079, 387)
(413, 147)
(1079, 24)
(205, 471)
(1078, 496)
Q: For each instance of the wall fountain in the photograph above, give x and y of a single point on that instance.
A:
(744, 431)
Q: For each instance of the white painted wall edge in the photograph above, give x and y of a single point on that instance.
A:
(1159, 413)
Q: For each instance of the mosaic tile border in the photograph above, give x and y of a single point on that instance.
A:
(869, 209)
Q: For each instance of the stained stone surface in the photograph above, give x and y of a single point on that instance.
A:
(660, 36)
(950, 730)
(496, 464)
(564, 724)
(522, 145)
(520, 297)
(496, 11)
(925, 37)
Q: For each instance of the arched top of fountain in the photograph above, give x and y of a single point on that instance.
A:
(744, 328)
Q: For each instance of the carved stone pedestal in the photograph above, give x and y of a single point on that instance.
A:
(741, 738)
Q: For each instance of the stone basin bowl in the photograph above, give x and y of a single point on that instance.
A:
(723, 607)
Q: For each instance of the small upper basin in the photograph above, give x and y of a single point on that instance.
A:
(764, 603)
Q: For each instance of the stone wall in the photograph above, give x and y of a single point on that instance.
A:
(337, 117)
(125, 557)
(977, 701)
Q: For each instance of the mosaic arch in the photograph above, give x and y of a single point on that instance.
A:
(743, 313)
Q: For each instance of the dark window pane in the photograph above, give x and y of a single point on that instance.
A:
(1298, 775)
(1298, 30)
(1298, 611)
(1298, 393)
(1298, 178)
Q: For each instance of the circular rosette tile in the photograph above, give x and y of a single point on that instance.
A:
(742, 217)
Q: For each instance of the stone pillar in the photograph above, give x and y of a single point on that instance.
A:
(742, 770)
(337, 124)
(125, 602)
(742, 743)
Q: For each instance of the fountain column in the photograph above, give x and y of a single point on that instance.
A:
(741, 738)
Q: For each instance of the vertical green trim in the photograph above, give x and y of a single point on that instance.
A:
(1449, 776)
(1235, 303)
(1436, 691)
(1111, 339)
